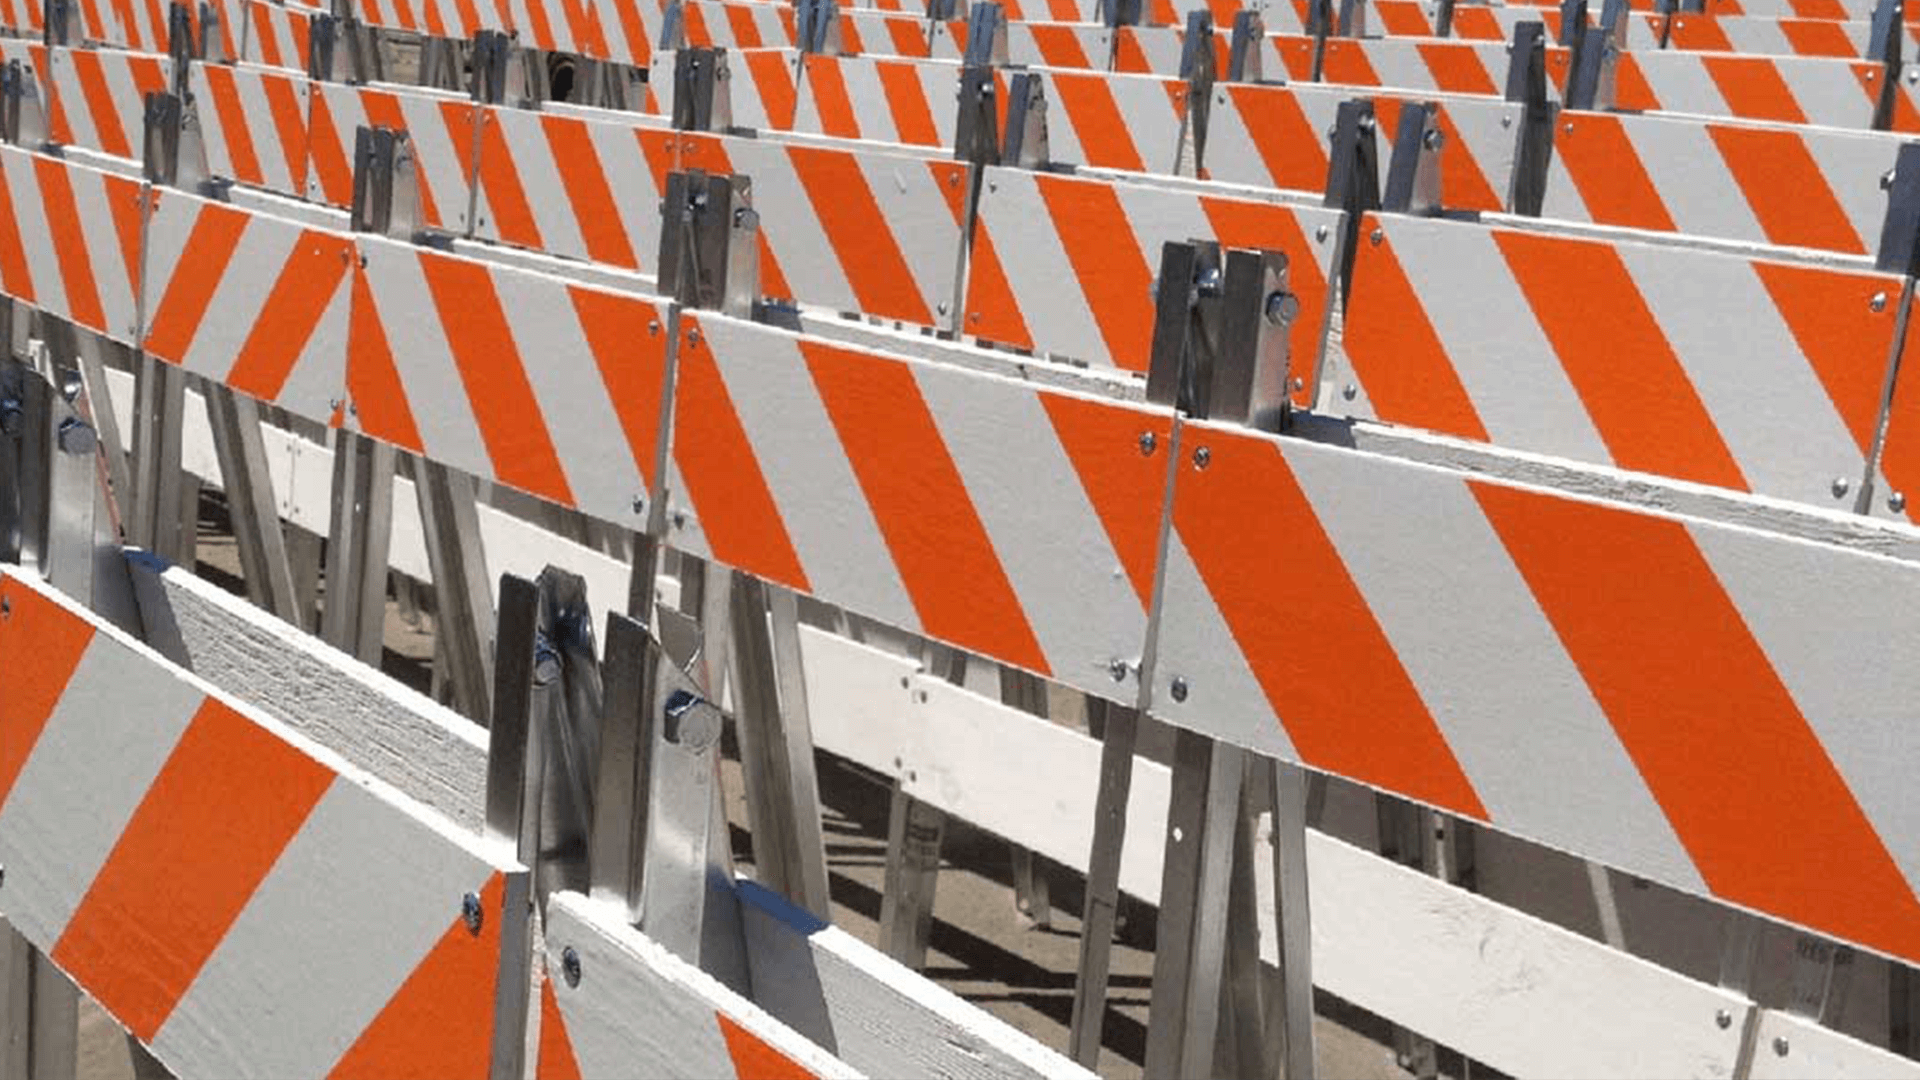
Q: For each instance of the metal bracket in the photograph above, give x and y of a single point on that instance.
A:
(1025, 143)
(976, 136)
(1220, 333)
(320, 30)
(673, 27)
(499, 72)
(172, 152)
(1884, 45)
(817, 25)
(212, 51)
(702, 94)
(386, 184)
(1443, 18)
(365, 61)
(1353, 176)
(986, 36)
(1413, 177)
(1573, 23)
(1533, 149)
(709, 253)
(939, 11)
(1118, 13)
(1596, 55)
(1899, 250)
(1244, 48)
(23, 119)
(180, 48)
(1198, 70)
(61, 22)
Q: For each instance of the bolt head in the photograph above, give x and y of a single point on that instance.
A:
(1896, 501)
(546, 662)
(471, 914)
(1320, 234)
(1840, 486)
(1202, 457)
(1147, 443)
(1178, 688)
(1886, 180)
(11, 411)
(1349, 391)
(1376, 236)
(1780, 1046)
(76, 437)
(570, 966)
(1282, 308)
(691, 722)
(639, 504)
(1433, 140)
(1879, 302)
(1118, 669)
(1723, 1019)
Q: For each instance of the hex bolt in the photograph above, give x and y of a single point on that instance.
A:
(1780, 1045)
(1118, 669)
(1896, 501)
(11, 411)
(639, 504)
(1320, 234)
(1723, 1019)
(1840, 487)
(471, 913)
(1282, 308)
(1886, 178)
(570, 966)
(1879, 302)
(1433, 140)
(1178, 688)
(1376, 236)
(546, 661)
(688, 725)
(1350, 391)
(1147, 443)
(1202, 457)
(76, 437)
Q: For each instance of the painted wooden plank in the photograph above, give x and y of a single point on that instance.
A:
(1787, 1047)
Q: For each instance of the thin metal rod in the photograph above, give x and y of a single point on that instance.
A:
(242, 453)
(1293, 917)
(1101, 910)
(463, 604)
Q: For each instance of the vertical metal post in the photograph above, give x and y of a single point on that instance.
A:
(1404, 838)
(39, 1013)
(1187, 963)
(1293, 917)
(915, 832)
(357, 544)
(512, 792)
(159, 403)
(1241, 1042)
(257, 532)
(776, 744)
(1121, 726)
(73, 477)
(463, 604)
(1032, 896)
(616, 860)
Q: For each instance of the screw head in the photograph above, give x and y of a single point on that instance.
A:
(1896, 501)
(688, 724)
(470, 912)
(1147, 443)
(1282, 308)
(1349, 391)
(1886, 178)
(639, 504)
(1375, 237)
(693, 336)
(653, 327)
(1780, 1045)
(1178, 688)
(546, 661)
(11, 410)
(570, 966)
(1118, 669)
(76, 437)
(1202, 457)
(1433, 140)
(1723, 1019)
(1320, 234)
(1840, 486)
(1879, 302)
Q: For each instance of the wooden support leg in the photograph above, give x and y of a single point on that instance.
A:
(776, 745)
(1120, 728)
(357, 544)
(462, 600)
(1188, 962)
(257, 532)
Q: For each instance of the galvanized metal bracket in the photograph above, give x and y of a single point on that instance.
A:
(986, 36)
(503, 73)
(1245, 47)
(23, 117)
(1220, 333)
(386, 184)
(939, 11)
(1596, 56)
(673, 27)
(1443, 18)
(172, 150)
(976, 136)
(320, 32)
(1118, 13)
(702, 95)
(1573, 23)
(61, 23)
(1353, 176)
(1024, 145)
(211, 47)
(366, 62)
(1899, 250)
(1198, 71)
(817, 26)
(709, 250)
(181, 48)
(1885, 45)
(1413, 178)
(1533, 147)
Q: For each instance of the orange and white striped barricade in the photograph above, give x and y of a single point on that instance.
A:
(1706, 705)
(570, 26)
(617, 1003)
(250, 299)
(1004, 518)
(1829, 92)
(1438, 65)
(1699, 32)
(97, 97)
(734, 24)
(762, 87)
(277, 34)
(1846, 10)
(1275, 136)
(544, 385)
(239, 898)
(1064, 265)
(848, 229)
(70, 241)
(1793, 186)
(439, 127)
(253, 125)
(1657, 359)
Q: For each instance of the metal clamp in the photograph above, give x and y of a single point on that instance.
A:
(1413, 177)
(212, 48)
(23, 119)
(386, 191)
(1197, 70)
(1220, 334)
(1533, 148)
(1353, 176)
(1590, 84)
(61, 23)
(1246, 47)
(1118, 13)
(709, 253)
(502, 73)
(817, 27)
(1899, 250)
(181, 48)
(976, 137)
(1573, 23)
(702, 94)
(1024, 144)
(1443, 18)
(171, 149)
(1884, 46)
(986, 36)
(366, 63)
(320, 47)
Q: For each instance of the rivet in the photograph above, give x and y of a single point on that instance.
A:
(1896, 501)
(953, 179)
(1376, 236)
(1506, 121)
(570, 966)
(693, 336)
(1879, 302)
(679, 519)
(1202, 457)
(653, 327)
(1433, 140)
(1870, 76)
(1886, 180)
(470, 911)
(1913, 76)
(75, 436)
(1568, 129)
(1178, 688)
(333, 404)
(1723, 1019)
(1840, 486)
(1349, 391)
(992, 187)
(1147, 443)
(1299, 383)
(639, 504)
(1780, 1045)
(1118, 669)
(941, 307)
(1320, 235)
